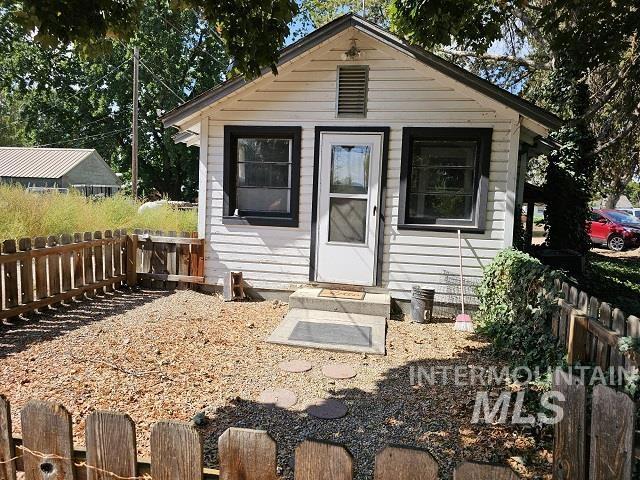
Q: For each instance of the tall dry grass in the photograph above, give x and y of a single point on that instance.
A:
(26, 214)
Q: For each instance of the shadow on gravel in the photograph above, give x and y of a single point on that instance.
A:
(436, 418)
(35, 327)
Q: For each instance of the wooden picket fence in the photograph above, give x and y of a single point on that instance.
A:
(42, 272)
(601, 448)
(590, 330)
(46, 452)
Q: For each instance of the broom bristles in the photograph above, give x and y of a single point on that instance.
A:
(463, 323)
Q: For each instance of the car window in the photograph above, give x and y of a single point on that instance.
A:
(638, 213)
(595, 216)
(621, 217)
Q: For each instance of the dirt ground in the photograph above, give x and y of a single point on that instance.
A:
(158, 355)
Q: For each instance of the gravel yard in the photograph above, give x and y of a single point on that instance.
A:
(158, 355)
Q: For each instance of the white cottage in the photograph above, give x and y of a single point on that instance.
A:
(357, 164)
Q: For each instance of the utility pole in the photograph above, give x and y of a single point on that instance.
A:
(134, 126)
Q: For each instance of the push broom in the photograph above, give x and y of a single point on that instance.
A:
(463, 321)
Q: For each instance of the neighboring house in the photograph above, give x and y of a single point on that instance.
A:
(41, 169)
(357, 164)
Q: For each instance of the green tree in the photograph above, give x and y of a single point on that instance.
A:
(252, 30)
(575, 40)
(61, 97)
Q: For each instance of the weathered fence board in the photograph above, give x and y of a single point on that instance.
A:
(176, 452)
(65, 264)
(47, 441)
(481, 471)
(53, 264)
(26, 272)
(10, 276)
(111, 446)
(247, 454)
(323, 461)
(594, 338)
(612, 435)
(569, 448)
(405, 464)
(7, 450)
(108, 259)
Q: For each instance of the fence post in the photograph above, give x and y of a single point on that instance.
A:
(54, 267)
(88, 264)
(7, 450)
(578, 336)
(132, 249)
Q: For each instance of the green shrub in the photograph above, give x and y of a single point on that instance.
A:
(517, 298)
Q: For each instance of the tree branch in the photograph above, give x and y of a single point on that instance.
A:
(631, 123)
(491, 57)
(608, 94)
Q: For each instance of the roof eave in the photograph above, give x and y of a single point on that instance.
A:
(524, 107)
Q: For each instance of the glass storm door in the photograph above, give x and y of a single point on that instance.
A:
(348, 214)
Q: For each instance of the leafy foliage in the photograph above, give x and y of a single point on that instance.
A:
(323, 11)
(57, 96)
(252, 30)
(517, 297)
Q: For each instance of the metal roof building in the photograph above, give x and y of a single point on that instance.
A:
(58, 168)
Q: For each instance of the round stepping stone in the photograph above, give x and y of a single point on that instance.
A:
(295, 366)
(339, 371)
(327, 408)
(278, 397)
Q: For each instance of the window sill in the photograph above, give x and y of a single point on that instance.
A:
(260, 221)
(440, 228)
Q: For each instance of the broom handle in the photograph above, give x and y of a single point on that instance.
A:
(461, 277)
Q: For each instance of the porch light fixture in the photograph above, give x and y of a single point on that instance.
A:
(353, 53)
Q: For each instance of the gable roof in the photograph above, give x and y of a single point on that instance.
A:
(32, 162)
(524, 107)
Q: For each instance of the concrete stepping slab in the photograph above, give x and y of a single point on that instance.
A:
(326, 330)
(339, 371)
(295, 366)
(327, 408)
(278, 397)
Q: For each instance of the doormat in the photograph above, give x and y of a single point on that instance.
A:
(342, 294)
(332, 334)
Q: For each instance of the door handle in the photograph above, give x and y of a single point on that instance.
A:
(375, 209)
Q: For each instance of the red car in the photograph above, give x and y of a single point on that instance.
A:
(617, 230)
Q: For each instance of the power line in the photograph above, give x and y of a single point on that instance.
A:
(158, 78)
(95, 137)
(202, 49)
(75, 95)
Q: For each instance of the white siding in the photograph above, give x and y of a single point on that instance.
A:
(402, 93)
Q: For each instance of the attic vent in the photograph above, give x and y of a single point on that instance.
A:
(352, 90)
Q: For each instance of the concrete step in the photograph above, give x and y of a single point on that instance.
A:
(326, 330)
(377, 304)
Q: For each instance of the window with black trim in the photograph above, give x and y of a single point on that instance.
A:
(261, 175)
(444, 178)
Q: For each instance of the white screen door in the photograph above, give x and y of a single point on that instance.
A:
(349, 182)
